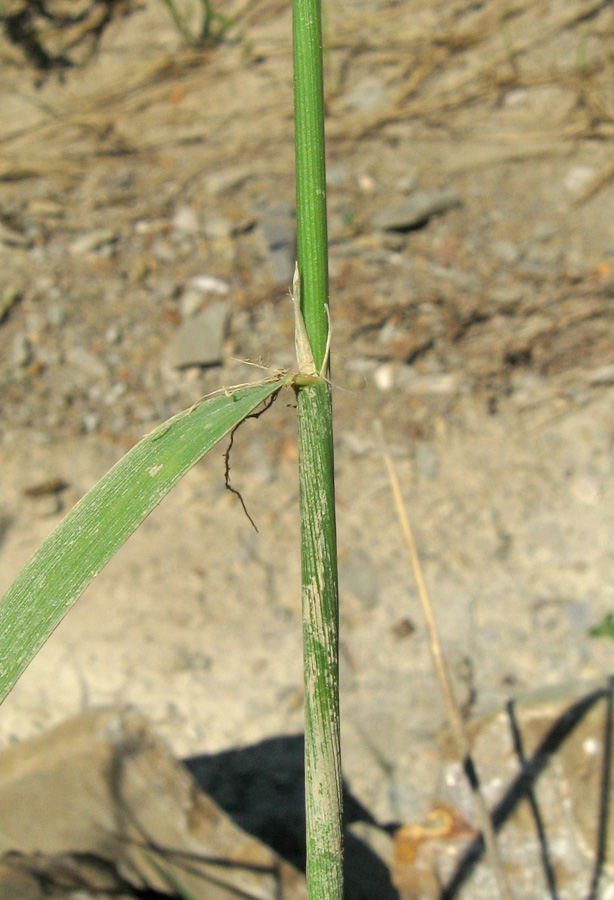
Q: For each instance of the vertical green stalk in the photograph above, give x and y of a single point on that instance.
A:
(316, 476)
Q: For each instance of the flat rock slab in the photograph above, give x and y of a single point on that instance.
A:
(545, 766)
(200, 340)
(99, 804)
(416, 210)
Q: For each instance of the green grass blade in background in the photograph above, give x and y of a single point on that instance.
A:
(95, 529)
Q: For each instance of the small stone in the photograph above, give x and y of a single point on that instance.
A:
(603, 375)
(367, 184)
(190, 302)
(10, 296)
(21, 351)
(47, 209)
(577, 178)
(227, 179)
(94, 240)
(417, 210)
(407, 183)
(367, 94)
(113, 335)
(163, 251)
(86, 362)
(207, 284)
(91, 422)
(443, 384)
(279, 230)
(218, 228)
(427, 461)
(384, 377)
(516, 97)
(506, 251)
(337, 175)
(186, 220)
(55, 315)
(586, 490)
(200, 340)
(118, 390)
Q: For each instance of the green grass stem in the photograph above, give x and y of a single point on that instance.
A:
(316, 476)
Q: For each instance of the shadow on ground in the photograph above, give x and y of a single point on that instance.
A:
(262, 788)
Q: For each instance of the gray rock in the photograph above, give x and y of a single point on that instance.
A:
(55, 315)
(367, 94)
(94, 240)
(89, 803)
(603, 375)
(416, 210)
(10, 296)
(21, 353)
(278, 225)
(186, 220)
(227, 179)
(208, 284)
(200, 340)
(86, 362)
(427, 460)
(577, 178)
(91, 422)
(562, 735)
(217, 228)
(506, 251)
(163, 251)
(190, 303)
(113, 335)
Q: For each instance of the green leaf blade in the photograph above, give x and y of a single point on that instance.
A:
(104, 519)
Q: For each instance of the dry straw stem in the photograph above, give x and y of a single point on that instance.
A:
(454, 714)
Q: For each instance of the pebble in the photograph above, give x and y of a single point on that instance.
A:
(55, 315)
(94, 240)
(279, 231)
(218, 228)
(207, 284)
(603, 375)
(46, 208)
(443, 383)
(185, 220)
(407, 183)
(367, 94)
(113, 335)
(91, 422)
(417, 210)
(337, 175)
(577, 178)
(506, 251)
(86, 362)
(118, 390)
(10, 296)
(427, 460)
(21, 351)
(190, 303)
(227, 179)
(586, 490)
(200, 340)
(384, 377)
(163, 251)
